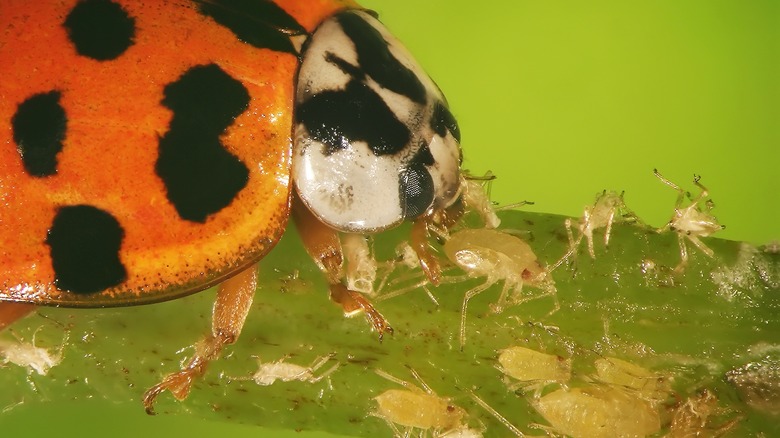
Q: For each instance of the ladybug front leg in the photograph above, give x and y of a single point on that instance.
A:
(234, 298)
(10, 312)
(439, 221)
(419, 241)
(323, 245)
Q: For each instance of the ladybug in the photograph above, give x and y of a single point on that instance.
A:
(152, 149)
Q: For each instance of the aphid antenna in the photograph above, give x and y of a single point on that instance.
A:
(666, 181)
(420, 380)
(390, 377)
(488, 176)
(496, 414)
(514, 205)
(522, 234)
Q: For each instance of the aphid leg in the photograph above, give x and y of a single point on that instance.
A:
(498, 306)
(571, 253)
(403, 290)
(608, 231)
(318, 363)
(586, 229)
(431, 296)
(469, 295)
(234, 298)
(699, 244)
(683, 253)
(704, 191)
(323, 245)
(11, 312)
(396, 433)
(573, 244)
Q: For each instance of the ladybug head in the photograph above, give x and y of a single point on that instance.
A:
(375, 142)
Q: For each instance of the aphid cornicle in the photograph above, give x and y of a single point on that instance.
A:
(151, 149)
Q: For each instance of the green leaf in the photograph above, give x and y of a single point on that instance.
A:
(716, 327)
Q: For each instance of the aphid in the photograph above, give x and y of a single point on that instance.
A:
(27, 355)
(153, 149)
(533, 369)
(645, 383)
(476, 197)
(413, 408)
(691, 222)
(269, 372)
(497, 256)
(360, 264)
(693, 418)
(597, 411)
(608, 209)
(758, 381)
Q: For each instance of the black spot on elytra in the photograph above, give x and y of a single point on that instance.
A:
(260, 23)
(443, 121)
(337, 118)
(100, 29)
(84, 243)
(200, 176)
(39, 126)
(377, 61)
(416, 185)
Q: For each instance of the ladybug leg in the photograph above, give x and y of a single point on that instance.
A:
(234, 298)
(323, 245)
(440, 222)
(428, 260)
(10, 312)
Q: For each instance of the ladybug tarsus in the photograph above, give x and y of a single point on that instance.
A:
(234, 298)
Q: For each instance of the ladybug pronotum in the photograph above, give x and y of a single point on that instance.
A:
(152, 149)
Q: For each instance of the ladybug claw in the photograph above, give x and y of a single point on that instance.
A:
(179, 383)
(353, 302)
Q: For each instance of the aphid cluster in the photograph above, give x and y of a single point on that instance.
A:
(622, 399)
(689, 222)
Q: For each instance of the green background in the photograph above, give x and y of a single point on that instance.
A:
(562, 100)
